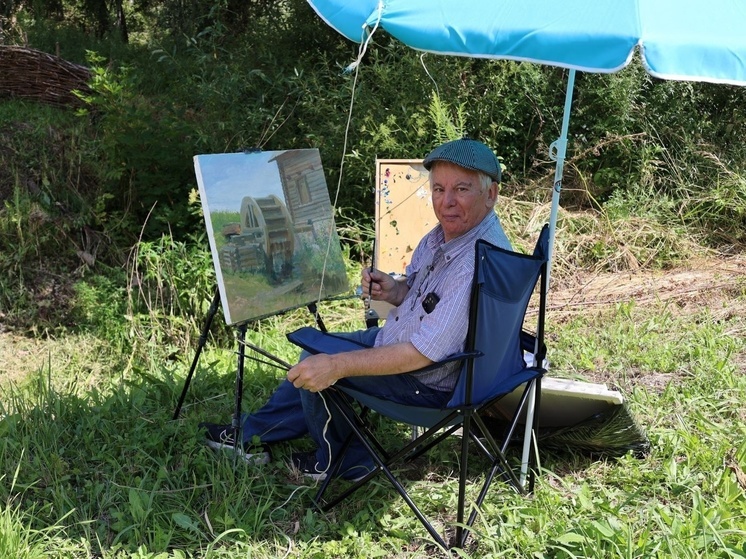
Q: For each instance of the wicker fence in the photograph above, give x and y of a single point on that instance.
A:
(38, 76)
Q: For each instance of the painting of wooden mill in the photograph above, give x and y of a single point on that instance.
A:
(271, 230)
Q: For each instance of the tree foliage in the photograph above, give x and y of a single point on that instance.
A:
(206, 76)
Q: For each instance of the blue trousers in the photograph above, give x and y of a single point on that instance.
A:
(292, 413)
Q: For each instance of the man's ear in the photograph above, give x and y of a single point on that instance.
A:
(492, 194)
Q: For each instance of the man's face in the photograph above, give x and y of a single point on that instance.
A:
(458, 200)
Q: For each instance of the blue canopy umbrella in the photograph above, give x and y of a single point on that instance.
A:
(676, 39)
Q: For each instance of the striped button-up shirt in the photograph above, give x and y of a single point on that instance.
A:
(445, 270)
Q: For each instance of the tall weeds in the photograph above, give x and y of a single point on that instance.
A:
(170, 286)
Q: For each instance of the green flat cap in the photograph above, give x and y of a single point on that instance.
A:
(467, 153)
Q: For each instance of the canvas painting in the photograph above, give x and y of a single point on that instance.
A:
(271, 230)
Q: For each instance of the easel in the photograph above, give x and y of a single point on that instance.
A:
(242, 345)
(284, 213)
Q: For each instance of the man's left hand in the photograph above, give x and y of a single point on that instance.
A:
(314, 373)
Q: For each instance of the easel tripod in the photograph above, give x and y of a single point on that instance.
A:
(242, 345)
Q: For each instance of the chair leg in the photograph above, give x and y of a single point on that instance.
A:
(495, 453)
(472, 426)
(461, 534)
(383, 463)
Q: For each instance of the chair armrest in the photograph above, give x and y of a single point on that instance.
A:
(314, 341)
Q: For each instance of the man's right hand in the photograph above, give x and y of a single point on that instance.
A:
(382, 287)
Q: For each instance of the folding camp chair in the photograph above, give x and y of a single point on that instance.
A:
(493, 366)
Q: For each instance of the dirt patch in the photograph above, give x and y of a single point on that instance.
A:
(711, 283)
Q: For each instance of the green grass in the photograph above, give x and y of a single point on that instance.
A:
(93, 465)
(115, 476)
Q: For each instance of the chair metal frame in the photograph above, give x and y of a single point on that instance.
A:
(463, 412)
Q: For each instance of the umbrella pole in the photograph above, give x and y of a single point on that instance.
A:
(557, 152)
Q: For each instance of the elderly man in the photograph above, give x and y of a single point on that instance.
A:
(428, 323)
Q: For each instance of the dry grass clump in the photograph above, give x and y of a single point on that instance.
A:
(596, 242)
